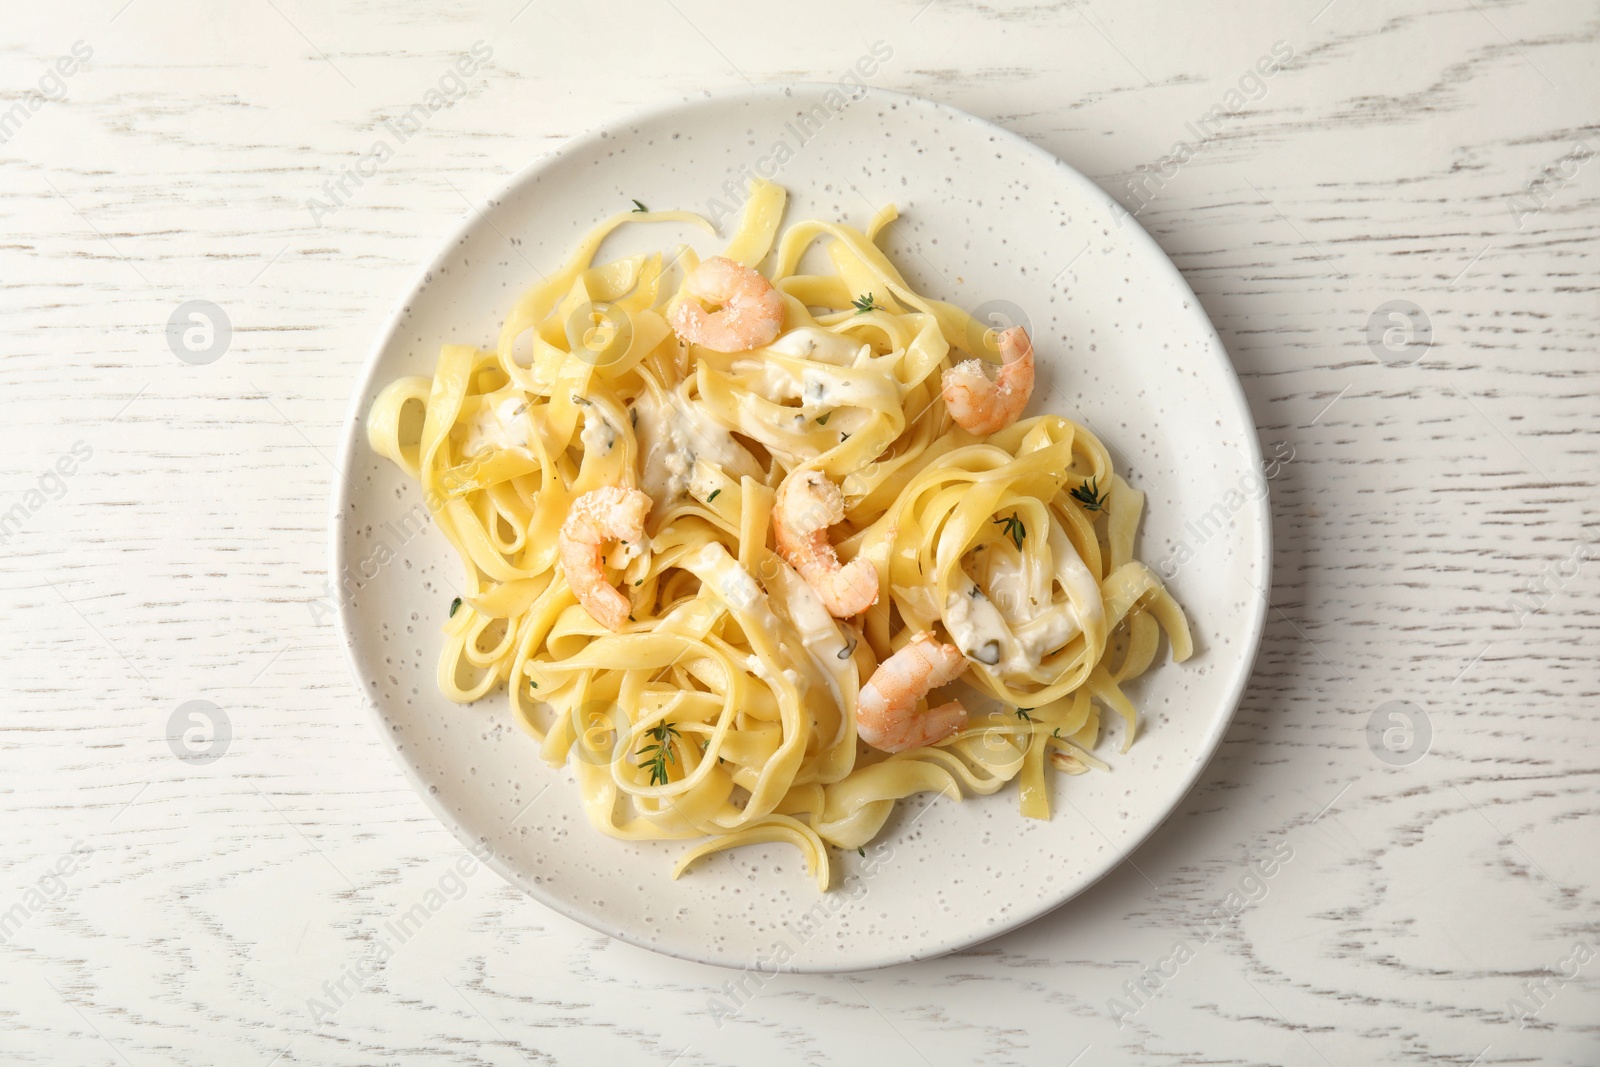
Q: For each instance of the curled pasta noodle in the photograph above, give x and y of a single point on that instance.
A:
(722, 713)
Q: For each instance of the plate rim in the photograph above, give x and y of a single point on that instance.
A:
(340, 498)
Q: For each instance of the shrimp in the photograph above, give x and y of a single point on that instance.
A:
(752, 310)
(807, 504)
(600, 515)
(886, 711)
(983, 407)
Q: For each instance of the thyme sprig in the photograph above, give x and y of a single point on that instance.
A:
(656, 757)
(1089, 496)
(1013, 529)
(864, 304)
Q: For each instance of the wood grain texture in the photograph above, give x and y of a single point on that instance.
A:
(206, 905)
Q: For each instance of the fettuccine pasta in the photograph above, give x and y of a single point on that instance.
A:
(695, 677)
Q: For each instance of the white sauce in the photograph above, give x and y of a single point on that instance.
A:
(673, 433)
(821, 389)
(500, 423)
(979, 630)
(824, 346)
(829, 644)
(1010, 619)
(810, 390)
(599, 437)
(738, 588)
(704, 479)
(766, 378)
(1045, 633)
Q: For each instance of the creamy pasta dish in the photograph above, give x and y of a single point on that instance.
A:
(731, 527)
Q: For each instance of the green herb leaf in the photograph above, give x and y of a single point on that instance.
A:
(656, 757)
(862, 851)
(824, 420)
(1013, 529)
(1022, 713)
(455, 605)
(639, 207)
(864, 304)
(713, 495)
(1090, 497)
(533, 683)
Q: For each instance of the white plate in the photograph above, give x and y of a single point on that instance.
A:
(989, 221)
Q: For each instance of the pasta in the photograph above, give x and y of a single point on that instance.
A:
(723, 710)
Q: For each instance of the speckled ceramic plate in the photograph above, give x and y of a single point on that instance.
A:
(990, 222)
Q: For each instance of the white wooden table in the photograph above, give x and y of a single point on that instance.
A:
(163, 530)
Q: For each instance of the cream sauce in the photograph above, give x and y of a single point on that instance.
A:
(818, 388)
(501, 422)
(824, 346)
(1003, 611)
(599, 437)
(673, 433)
